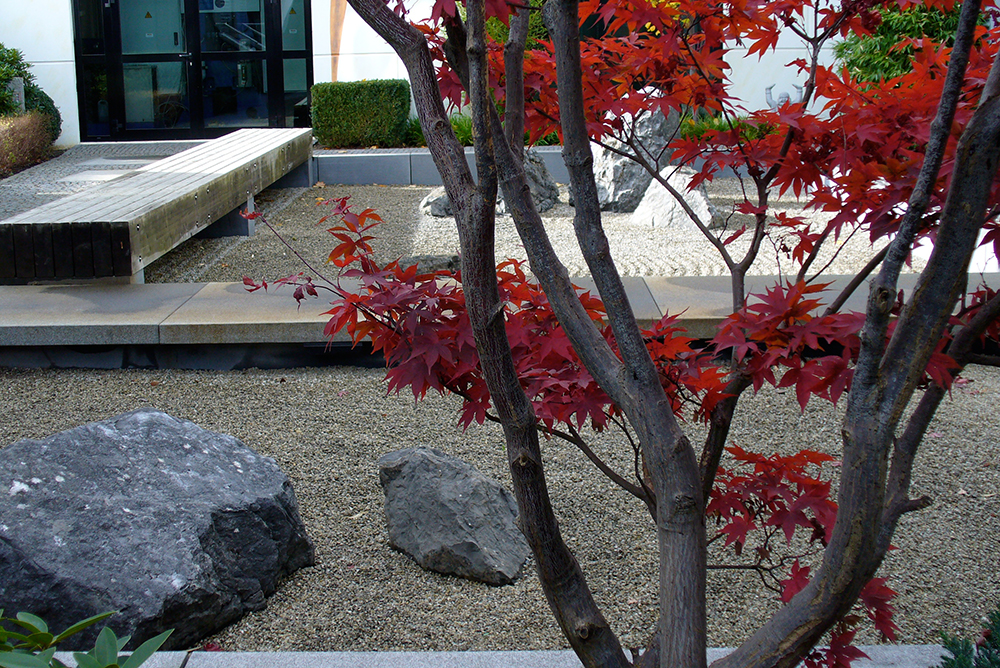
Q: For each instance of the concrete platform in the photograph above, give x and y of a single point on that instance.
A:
(222, 326)
(882, 656)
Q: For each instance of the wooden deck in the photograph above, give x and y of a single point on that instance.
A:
(118, 227)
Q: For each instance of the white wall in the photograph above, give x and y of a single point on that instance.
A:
(43, 31)
(750, 75)
(364, 55)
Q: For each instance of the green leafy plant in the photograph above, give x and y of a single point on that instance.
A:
(880, 55)
(984, 653)
(12, 64)
(37, 100)
(462, 127)
(34, 646)
(349, 114)
(414, 135)
(699, 126)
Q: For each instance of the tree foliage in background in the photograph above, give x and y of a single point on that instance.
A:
(909, 158)
(882, 54)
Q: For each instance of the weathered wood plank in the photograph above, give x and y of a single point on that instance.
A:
(24, 252)
(62, 249)
(83, 252)
(44, 260)
(100, 238)
(7, 251)
(121, 249)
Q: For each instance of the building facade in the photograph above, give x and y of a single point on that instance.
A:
(182, 69)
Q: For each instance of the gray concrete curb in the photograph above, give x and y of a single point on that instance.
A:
(881, 656)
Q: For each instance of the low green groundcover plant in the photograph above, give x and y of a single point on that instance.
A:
(984, 653)
(32, 645)
(700, 124)
(462, 125)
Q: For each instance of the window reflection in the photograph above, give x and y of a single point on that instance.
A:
(231, 25)
(293, 25)
(235, 93)
(156, 96)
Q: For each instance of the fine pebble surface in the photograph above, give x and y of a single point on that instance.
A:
(638, 249)
(328, 427)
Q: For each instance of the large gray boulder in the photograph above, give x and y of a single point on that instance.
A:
(450, 518)
(660, 209)
(544, 191)
(171, 525)
(622, 182)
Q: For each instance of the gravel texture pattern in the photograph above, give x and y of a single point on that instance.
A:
(638, 249)
(328, 427)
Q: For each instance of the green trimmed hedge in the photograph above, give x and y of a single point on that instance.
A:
(351, 114)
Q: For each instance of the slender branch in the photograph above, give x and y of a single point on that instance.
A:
(513, 62)
(858, 279)
(905, 450)
(983, 360)
(813, 254)
(835, 255)
(636, 491)
(720, 421)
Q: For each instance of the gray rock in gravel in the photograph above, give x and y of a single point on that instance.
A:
(660, 209)
(436, 203)
(544, 191)
(622, 182)
(171, 525)
(427, 264)
(450, 518)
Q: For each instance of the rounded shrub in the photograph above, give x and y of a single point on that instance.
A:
(36, 99)
(12, 64)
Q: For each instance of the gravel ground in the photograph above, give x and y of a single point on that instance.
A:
(328, 427)
(638, 249)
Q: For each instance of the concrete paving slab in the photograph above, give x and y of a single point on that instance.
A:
(881, 656)
(643, 304)
(158, 660)
(527, 659)
(223, 313)
(95, 314)
(706, 300)
(700, 302)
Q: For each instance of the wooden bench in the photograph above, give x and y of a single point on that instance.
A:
(118, 227)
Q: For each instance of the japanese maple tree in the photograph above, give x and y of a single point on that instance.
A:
(899, 160)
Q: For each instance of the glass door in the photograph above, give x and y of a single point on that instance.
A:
(156, 66)
(158, 69)
(234, 73)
